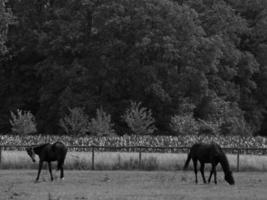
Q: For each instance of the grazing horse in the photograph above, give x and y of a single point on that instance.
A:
(48, 153)
(209, 153)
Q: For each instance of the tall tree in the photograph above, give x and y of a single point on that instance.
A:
(91, 53)
(5, 20)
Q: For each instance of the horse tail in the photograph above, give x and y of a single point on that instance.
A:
(187, 161)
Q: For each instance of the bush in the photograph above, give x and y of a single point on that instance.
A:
(139, 119)
(184, 124)
(76, 122)
(23, 122)
(235, 126)
(208, 127)
(101, 125)
(186, 107)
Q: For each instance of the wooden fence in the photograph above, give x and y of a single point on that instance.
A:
(142, 149)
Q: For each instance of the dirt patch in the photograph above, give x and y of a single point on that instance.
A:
(128, 185)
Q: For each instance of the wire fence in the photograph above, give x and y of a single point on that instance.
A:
(140, 150)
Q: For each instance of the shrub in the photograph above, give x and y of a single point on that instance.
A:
(235, 126)
(23, 122)
(214, 109)
(186, 107)
(139, 119)
(76, 122)
(101, 125)
(208, 127)
(184, 124)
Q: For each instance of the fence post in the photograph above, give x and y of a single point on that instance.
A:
(237, 160)
(93, 157)
(140, 157)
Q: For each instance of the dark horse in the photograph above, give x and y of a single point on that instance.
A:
(209, 153)
(48, 153)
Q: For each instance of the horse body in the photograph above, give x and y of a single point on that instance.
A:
(209, 153)
(49, 153)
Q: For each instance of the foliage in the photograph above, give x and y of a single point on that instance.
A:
(184, 124)
(221, 117)
(139, 119)
(208, 127)
(76, 122)
(235, 126)
(22, 122)
(101, 125)
(186, 107)
(5, 20)
(160, 52)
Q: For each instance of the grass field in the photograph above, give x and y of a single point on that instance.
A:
(127, 161)
(128, 185)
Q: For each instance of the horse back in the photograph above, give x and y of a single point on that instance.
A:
(53, 152)
(205, 152)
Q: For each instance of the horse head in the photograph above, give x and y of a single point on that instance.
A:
(31, 153)
(229, 178)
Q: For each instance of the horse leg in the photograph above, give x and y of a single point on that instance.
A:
(211, 172)
(215, 174)
(50, 171)
(202, 165)
(60, 167)
(39, 170)
(195, 169)
(61, 172)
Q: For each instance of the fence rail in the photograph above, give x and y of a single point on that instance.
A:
(142, 149)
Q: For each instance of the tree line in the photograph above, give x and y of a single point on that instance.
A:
(206, 59)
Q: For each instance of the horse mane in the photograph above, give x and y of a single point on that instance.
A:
(37, 149)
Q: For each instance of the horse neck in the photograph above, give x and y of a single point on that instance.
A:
(224, 163)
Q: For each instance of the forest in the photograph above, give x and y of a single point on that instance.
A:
(182, 63)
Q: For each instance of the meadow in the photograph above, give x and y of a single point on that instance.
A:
(128, 161)
(128, 185)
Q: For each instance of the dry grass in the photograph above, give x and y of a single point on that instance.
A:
(129, 185)
(128, 161)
